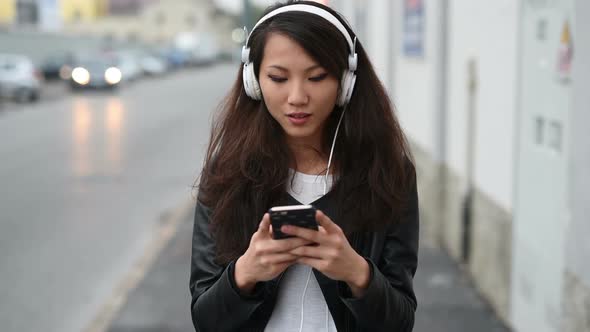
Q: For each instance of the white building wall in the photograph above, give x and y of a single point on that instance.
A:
(576, 301)
(578, 246)
(377, 39)
(485, 31)
(416, 81)
(346, 8)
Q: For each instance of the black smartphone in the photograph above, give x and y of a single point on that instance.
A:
(296, 215)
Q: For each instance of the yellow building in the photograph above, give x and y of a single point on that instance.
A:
(7, 11)
(82, 10)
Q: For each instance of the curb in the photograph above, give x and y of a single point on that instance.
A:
(164, 232)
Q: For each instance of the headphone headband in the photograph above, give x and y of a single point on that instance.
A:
(251, 85)
(308, 9)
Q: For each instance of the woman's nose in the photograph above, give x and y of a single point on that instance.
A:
(298, 94)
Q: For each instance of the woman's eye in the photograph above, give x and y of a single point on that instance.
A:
(277, 79)
(319, 77)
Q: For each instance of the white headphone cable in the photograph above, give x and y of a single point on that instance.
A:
(332, 150)
(303, 299)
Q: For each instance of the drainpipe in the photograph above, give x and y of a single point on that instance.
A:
(467, 211)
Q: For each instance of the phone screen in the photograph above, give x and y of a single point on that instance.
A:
(296, 215)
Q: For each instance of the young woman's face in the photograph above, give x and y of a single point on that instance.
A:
(298, 92)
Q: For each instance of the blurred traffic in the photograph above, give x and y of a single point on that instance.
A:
(24, 81)
(99, 130)
(74, 46)
(20, 79)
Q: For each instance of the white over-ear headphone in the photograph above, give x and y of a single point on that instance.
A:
(348, 80)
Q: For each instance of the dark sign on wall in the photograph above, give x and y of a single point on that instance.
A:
(413, 37)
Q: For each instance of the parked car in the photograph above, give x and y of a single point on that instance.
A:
(152, 65)
(20, 80)
(206, 51)
(129, 65)
(174, 57)
(101, 73)
(58, 66)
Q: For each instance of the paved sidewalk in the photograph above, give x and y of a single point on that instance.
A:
(446, 300)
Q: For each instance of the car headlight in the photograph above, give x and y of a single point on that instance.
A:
(65, 72)
(81, 75)
(113, 75)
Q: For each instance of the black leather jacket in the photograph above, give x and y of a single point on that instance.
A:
(388, 303)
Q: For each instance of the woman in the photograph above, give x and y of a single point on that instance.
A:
(307, 122)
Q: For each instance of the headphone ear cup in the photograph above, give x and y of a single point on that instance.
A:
(346, 87)
(251, 85)
(245, 80)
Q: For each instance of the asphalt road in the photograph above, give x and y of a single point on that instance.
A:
(85, 180)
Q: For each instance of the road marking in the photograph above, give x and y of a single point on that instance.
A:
(166, 229)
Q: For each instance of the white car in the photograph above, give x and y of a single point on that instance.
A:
(19, 79)
(152, 65)
(129, 66)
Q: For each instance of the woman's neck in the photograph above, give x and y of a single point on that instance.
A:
(309, 158)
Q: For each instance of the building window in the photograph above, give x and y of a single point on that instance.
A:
(27, 12)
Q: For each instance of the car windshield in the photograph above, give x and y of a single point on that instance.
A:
(95, 65)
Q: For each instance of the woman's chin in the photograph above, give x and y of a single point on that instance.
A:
(299, 133)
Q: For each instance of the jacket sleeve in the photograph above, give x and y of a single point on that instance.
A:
(389, 302)
(216, 303)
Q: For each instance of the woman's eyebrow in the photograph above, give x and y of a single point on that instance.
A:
(285, 69)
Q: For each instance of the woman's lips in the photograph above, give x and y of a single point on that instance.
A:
(299, 118)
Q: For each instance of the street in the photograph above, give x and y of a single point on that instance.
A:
(85, 179)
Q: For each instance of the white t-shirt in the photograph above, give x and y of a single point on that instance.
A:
(299, 292)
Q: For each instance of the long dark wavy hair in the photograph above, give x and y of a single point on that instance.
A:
(246, 170)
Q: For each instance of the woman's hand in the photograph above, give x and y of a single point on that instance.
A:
(333, 255)
(266, 257)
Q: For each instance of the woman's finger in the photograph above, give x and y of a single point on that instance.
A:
(308, 251)
(279, 258)
(325, 221)
(304, 233)
(313, 262)
(264, 225)
(283, 245)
